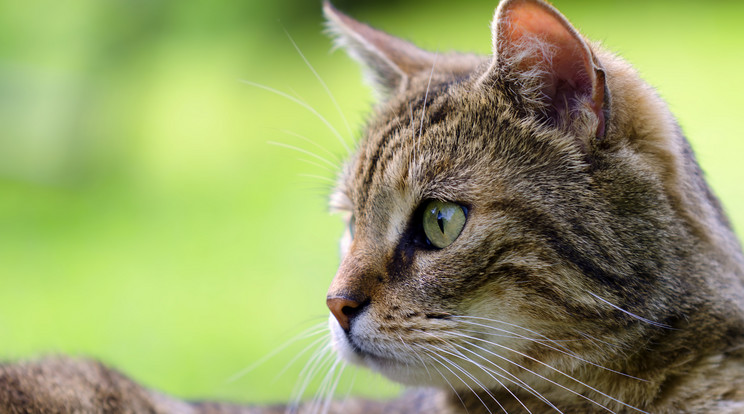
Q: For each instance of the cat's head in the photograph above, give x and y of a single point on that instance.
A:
(505, 213)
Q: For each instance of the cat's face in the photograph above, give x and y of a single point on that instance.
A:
(448, 253)
(493, 231)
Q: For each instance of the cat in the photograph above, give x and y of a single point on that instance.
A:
(527, 232)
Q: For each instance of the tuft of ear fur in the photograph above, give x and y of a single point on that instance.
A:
(389, 61)
(534, 45)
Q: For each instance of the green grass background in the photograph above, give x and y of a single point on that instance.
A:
(144, 219)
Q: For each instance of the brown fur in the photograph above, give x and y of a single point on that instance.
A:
(596, 271)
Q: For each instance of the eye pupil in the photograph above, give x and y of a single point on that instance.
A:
(440, 221)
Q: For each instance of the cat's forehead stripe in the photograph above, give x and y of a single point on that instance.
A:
(403, 132)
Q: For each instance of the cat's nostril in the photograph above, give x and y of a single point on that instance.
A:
(350, 311)
(344, 310)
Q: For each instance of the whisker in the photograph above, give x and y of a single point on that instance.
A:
(318, 177)
(551, 368)
(415, 141)
(334, 157)
(304, 105)
(321, 357)
(511, 378)
(316, 164)
(441, 360)
(568, 353)
(300, 336)
(457, 394)
(540, 376)
(563, 349)
(303, 151)
(465, 358)
(510, 336)
(424, 364)
(514, 335)
(480, 366)
(348, 390)
(631, 314)
(316, 342)
(332, 391)
(595, 340)
(426, 95)
(323, 84)
(508, 324)
(325, 384)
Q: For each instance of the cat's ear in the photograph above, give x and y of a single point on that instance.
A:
(390, 61)
(537, 47)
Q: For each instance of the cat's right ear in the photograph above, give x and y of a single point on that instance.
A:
(389, 62)
(537, 49)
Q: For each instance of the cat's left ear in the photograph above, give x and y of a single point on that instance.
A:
(534, 45)
(390, 62)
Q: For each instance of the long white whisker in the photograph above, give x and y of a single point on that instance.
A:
(308, 372)
(512, 378)
(322, 83)
(462, 356)
(302, 335)
(332, 390)
(631, 314)
(508, 376)
(318, 177)
(313, 143)
(491, 374)
(595, 340)
(504, 335)
(424, 364)
(317, 164)
(304, 105)
(303, 151)
(551, 368)
(348, 390)
(324, 386)
(300, 354)
(460, 317)
(426, 95)
(540, 376)
(457, 394)
(416, 142)
(441, 359)
(562, 351)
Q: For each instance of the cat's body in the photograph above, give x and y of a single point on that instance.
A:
(574, 259)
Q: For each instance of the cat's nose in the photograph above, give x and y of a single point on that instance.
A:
(344, 310)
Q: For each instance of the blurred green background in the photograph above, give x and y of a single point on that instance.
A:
(146, 221)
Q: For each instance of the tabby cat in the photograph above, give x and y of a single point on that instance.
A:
(528, 232)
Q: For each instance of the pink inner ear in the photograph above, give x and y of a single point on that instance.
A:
(570, 72)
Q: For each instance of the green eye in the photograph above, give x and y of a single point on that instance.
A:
(443, 222)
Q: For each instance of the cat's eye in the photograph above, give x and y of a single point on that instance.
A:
(443, 221)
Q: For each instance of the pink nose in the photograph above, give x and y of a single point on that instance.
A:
(344, 309)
